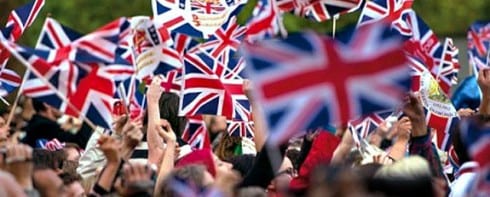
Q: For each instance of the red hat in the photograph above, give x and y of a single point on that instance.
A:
(202, 157)
(321, 152)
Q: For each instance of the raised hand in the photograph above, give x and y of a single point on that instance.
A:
(165, 131)
(465, 112)
(415, 111)
(132, 134)
(155, 90)
(110, 147)
(18, 160)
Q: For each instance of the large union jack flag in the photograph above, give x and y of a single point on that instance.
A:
(196, 133)
(319, 10)
(307, 81)
(196, 18)
(208, 88)
(478, 44)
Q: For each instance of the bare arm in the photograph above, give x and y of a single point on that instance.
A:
(484, 83)
(155, 142)
(260, 133)
(167, 164)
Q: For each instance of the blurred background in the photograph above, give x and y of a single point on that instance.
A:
(447, 18)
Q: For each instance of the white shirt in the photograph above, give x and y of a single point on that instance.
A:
(463, 178)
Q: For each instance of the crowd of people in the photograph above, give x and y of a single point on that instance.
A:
(47, 154)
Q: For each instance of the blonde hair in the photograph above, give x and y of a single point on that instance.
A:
(412, 167)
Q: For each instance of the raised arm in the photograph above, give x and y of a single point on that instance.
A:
(155, 142)
(259, 124)
(484, 83)
(167, 164)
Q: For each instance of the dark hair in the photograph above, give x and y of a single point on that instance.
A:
(69, 178)
(242, 163)
(48, 159)
(227, 145)
(459, 146)
(38, 105)
(188, 175)
(169, 110)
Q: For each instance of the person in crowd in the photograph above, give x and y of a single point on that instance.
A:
(43, 125)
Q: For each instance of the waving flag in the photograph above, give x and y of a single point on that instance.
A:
(449, 65)
(319, 10)
(390, 11)
(308, 81)
(196, 18)
(196, 134)
(478, 44)
(439, 111)
(9, 80)
(160, 59)
(18, 21)
(54, 35)
(367, 124)
(240, 128)
(208, 88)
(224, 44)
(266, 22)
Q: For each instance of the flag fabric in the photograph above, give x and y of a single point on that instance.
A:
(477, 138)
(224, 44)
(9, 81)
(364, 126)
(467, 95)
(393, 12)
(244, 128)
(194, 18)
(308, 81)
(265, 23)
(478, 44)
(319, 10)
(160, 59)
(449, 66)
(440, 113)
(18, 21)
(54, 35)
(209, 88)
(196, 133)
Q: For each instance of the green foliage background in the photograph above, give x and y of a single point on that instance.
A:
(445, 17)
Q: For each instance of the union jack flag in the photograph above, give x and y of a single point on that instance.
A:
(208, 89)
(159, 60)
(390, 11)
(171, 82)
(478, 44)
(196, 133)
(307, 81)
(18, 21)
(186, 17)
(449, 66)
(224, 44)
(242, 128)
(319, 10)
(265, 21)
(54, 35)
(9, 80)
(367, 124)
(477, 139)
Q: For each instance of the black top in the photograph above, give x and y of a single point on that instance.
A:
(40, 127)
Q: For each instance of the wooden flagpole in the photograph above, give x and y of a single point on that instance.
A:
(44, 80)
(17, 97)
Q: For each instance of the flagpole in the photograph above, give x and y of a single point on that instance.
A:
(334, 26)
(17, 97)
(441, 64)
(44, 80)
